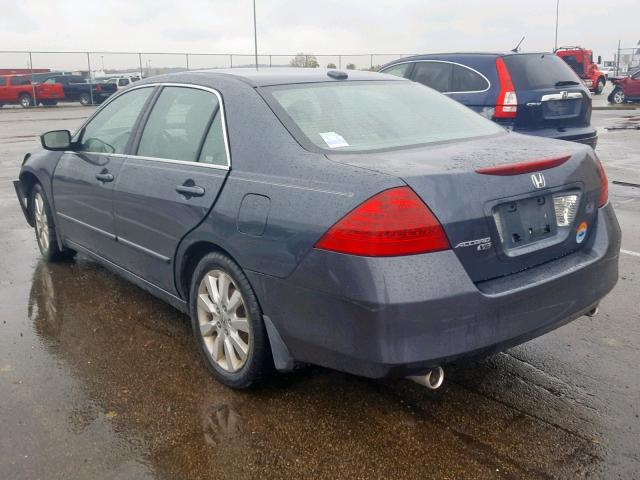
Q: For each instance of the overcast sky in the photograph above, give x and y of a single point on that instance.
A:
(313, 26)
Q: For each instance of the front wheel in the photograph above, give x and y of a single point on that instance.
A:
(599, 86)
(45, 227)
(227, 323)
(25, 100)
(85, 99)
(618, 97)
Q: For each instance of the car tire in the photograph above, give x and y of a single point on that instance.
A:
(227, 323)
(600, 86)
(25, 100)
(45, 227)
(85, 99)
(618, 97)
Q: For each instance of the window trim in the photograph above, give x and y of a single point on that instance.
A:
(139, 127)
(451, 63)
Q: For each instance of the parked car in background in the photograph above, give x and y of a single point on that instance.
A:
(80, 89)
(608, 71)
(531, 93)
(17, 89)
(625, 89)
(581, 61)
(374, 225)
(121, 82)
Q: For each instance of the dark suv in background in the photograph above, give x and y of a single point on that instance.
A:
(532, 93)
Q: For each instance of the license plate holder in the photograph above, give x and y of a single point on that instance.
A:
(525, 222)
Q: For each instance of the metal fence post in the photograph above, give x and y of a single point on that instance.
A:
(340, 61)
(618, 60)
(33, 85)
(306, 61)
(187, 57)
(270, 61)
(140, 62)
(231, 60)
(90, 79)
(371, 62)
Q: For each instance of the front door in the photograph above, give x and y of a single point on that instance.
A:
(167, 188)
(84, 178)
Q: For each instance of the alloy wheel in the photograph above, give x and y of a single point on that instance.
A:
(42, 225)
(619, 97)
(223, 321)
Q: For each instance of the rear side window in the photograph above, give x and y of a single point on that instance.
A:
(177, 124)
(539, 70)
(398, 70)
(467, 80)
(436, 75)
(109, 130)
(3, 82)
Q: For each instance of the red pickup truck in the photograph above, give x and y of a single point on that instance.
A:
(17, 89)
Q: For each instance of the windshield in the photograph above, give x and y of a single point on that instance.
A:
(363, 116)
(540, 70)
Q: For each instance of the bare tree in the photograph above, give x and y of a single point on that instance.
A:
(351, 66)
(304, 60)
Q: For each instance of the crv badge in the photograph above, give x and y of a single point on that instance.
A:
(538, 180)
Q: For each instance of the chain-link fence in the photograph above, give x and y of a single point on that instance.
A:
(100, 66)
(627, 60)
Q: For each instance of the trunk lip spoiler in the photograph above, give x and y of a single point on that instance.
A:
(528, 166)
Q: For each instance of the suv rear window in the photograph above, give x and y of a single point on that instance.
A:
(364, 116)
(538, 70)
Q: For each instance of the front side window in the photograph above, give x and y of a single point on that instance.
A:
(3, 82)
(110, 129)
(49, 81)
(436, 75)
(398, 70)
(364, 116)
(177, 124)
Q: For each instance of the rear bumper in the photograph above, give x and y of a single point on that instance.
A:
(586, 135)
(379, 317)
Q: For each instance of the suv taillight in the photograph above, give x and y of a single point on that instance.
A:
(604, 184)
(392, 223)
(98, 88)
(507, 104)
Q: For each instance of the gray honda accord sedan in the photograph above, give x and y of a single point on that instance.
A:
(352, 220)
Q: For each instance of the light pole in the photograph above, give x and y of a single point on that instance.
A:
(255, 34)
(555, 43)
(102, 60)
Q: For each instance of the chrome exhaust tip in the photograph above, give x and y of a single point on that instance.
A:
(432, 379)
(593, 313)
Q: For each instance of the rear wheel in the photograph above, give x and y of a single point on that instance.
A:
(25, 100)
(85, 99)
(599, 86)
(618, 97)
(227, 323)
(45, 227)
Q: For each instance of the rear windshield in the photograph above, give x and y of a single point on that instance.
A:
(539, 70)
(364, 116)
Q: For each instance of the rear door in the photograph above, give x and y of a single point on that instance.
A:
(171, 182)
(4, 90)
(550, 94)
(83, 179)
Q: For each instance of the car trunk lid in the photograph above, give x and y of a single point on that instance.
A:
(498, 224)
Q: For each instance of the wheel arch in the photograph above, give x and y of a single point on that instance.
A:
(28, 180)
(189, 261)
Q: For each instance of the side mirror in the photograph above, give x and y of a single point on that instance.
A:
(599, 59)
(56, 140)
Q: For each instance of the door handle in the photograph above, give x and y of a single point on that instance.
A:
(104, 177)
(190, 190)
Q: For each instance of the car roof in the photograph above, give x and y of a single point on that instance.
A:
(283, 76)
(426, 56)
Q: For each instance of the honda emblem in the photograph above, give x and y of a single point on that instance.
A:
(538, 180)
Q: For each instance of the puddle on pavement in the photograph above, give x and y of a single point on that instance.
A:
(108, 380)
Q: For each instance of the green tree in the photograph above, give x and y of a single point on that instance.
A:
(351, 66)
(303, 60)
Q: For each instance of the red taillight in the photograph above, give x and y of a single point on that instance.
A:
(98, 88)
(524, 167)
(392, 223)
(507, 104)
(604, 184)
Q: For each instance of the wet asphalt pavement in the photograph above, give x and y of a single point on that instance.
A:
(98, 379)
